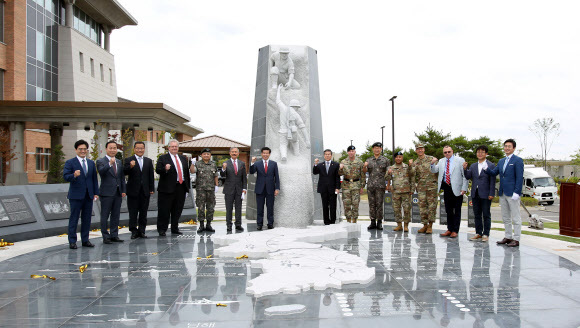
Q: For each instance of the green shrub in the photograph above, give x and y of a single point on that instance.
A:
(527, 201)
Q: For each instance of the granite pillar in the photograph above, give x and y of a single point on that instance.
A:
(17, 174)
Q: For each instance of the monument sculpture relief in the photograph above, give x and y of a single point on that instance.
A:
(290, 124)
(283, 69)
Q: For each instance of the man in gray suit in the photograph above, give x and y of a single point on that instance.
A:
(113, 189)
(235, 186)
(452, 180)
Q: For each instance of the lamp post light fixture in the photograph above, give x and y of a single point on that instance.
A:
(383, 138)
(392, 100)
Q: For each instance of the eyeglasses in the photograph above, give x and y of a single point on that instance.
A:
(446, 152)
(82, 149)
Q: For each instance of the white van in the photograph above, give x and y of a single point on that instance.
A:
(539, 184)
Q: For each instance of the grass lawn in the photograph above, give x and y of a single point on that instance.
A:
(223, 213)
(539, 234)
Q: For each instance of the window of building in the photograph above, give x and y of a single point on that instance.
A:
(82, 61)
(102, 73)
(42, 157)
(92, 67)
(87, 26)
(1, 20)
(110, 76)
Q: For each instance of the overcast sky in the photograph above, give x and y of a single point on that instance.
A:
(475, 69)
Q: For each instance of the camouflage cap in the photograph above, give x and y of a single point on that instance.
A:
(206, 150)
(419, 145)
(377, 144)
(351, 147)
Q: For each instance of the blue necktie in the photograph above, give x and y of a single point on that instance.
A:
(507, 159)
(84, 167)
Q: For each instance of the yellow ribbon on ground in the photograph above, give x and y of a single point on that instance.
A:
(36, 276)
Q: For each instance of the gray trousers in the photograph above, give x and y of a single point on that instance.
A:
(510, 213)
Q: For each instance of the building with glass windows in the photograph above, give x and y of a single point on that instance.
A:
(59, 51)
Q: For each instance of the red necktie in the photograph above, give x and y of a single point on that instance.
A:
(236, 167)
(178, 169)
(447, 176)
(266, 167)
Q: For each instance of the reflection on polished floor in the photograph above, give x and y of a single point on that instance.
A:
(421, 281)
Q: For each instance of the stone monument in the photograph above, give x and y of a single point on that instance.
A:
(287, 120)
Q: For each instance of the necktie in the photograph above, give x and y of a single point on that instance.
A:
(178, 169)
(84, 166)
(505, 163)
(326, 167)
(447, 176)
(236, 167)
(140, 159)
(115, 168)
(266, 167)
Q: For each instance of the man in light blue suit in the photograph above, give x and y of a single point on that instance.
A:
(83, 189)
(113, 189)
(454, 185)
(511, 178)
(267, 186)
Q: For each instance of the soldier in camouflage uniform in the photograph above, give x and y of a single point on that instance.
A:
(426, 184)
(353, 183)
(206, 186)
(402, 176)
(377, 168)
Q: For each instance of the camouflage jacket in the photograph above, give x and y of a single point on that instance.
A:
(377, 169)
(424, 179)
(403, 178)
(352, 170)
(205, 175)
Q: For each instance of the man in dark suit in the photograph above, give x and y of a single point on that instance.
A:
(113, 189)
(140, 187)
(174, 184)
(328, 185)
(235, 186)
(511, 179)
(83, 190)
(267, 186)
(482, 192)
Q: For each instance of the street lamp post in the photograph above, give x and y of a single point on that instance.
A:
(383, 138)
(351, 142)
(392, 100)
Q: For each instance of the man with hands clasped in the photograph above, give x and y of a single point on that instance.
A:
(482, 192)
(206, 185)
(328, 185)
(511, 178)
(402, 188)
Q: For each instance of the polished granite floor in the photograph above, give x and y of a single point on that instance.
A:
(421, 281)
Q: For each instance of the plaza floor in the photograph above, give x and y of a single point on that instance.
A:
(421, 281)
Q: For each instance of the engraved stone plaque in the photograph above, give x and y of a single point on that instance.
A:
(14, 210)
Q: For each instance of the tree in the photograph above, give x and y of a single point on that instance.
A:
(433, 140)
(126, 136)
(7, 153)
(576, 157)
(546, 130)
(55, 166)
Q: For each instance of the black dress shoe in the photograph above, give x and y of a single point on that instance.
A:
(88, 244)
(514, 243)
(135, 235)
(239, 228)
(72, 246)
(142, 235)
(504, 241)
(162, 234)
(106, 241)
(270, 226)
(259, 228)
(176, 232)
(117, 240)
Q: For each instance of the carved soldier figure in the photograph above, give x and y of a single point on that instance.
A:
(282, 71)
(290, 124)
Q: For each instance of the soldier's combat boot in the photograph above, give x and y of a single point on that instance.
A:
(379, 225)
(208, 227)
(423, 230)
(429, 228)
(406, 229)
(348, 220)
(399, 227)
(373, 225)
(201, 227)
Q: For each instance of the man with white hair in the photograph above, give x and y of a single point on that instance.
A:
(173, 185)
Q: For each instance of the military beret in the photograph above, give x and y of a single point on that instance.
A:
(350, 148)
(399, 153)
(377, 144)
(419, 145)
(206, 150)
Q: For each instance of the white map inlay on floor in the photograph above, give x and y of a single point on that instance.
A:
(291, 262)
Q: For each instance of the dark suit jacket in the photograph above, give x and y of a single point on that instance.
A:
(483, 183)
(168, 179)
(109, 181)
(512, 179)
(327, 182)
(81, 184)
(234, 184)
(266, 182)
(139, 178)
